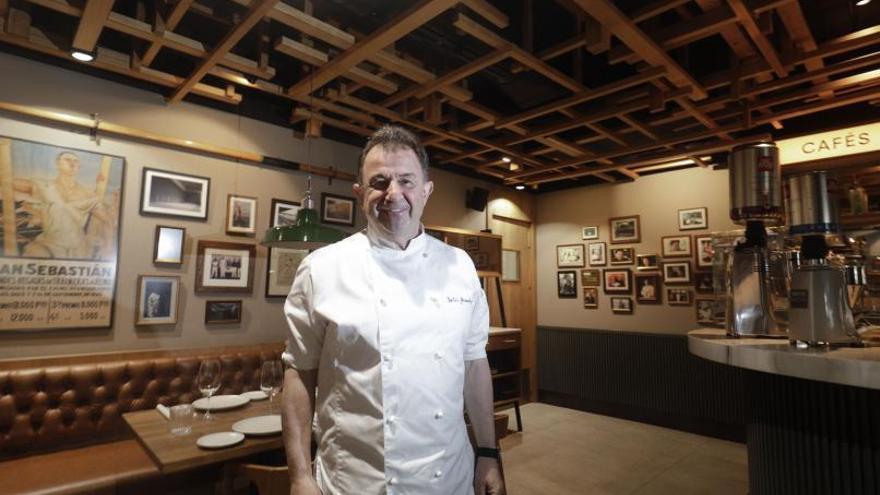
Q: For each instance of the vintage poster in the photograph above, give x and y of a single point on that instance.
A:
(59, 213)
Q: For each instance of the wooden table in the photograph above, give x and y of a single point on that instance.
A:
(177, 453)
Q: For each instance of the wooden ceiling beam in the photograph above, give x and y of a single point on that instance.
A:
(169, 24)
(488, 11)
(339, 124)
(605, 132)
(624, 29)
(403, 24)
(744, 16)
(639, 126)
(563, 47)
(257, 11)
(91, 23)
(317, 58)
(654, 9)
(799, 31)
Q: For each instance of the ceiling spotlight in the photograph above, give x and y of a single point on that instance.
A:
(520, 187)
(862, 3)
(505, 159)
(513, 166)
(82, 56)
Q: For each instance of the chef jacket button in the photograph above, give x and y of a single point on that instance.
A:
(382, 302)
(424, 255)
(390, 420)
(386, 358)
(392, 481)
(438, 414)
(438, 355)
(438, 474)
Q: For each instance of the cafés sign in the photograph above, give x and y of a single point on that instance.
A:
(832, 144)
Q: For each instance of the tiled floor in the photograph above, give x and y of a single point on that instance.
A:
(563, 451)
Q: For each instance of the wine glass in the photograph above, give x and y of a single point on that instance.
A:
(208, 381)
(270, 379)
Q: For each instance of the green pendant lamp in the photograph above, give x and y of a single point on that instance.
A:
(306, 233)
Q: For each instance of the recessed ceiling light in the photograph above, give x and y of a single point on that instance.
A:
(520, 187)
(862, 3)
(82, 56)
(505, 159)
(513, 167)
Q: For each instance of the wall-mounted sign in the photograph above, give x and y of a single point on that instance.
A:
(832, 144)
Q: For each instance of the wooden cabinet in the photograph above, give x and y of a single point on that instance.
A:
(504, 350)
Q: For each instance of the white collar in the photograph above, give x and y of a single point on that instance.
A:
(416, 244)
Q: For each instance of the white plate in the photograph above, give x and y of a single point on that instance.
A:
(255, 395)
(260, 425)
(220, 440)
(220, 402)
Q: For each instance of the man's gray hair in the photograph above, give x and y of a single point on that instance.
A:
(393, 138)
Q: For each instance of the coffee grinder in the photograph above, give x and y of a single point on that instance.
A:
(756, 202)
(820, 312)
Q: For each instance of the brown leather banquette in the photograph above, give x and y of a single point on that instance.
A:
(61, 426)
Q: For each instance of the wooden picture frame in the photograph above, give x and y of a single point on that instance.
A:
(625, 230)
(337, 209)
(591, 297)
(168, 245)
(173, 194)
(676, 246)
(704, 310)
(704, 251)
(570, 256)
(647, 262)
(589, 233)
(591, 278)
(622, 305)
(649, 289)
(679, 296)
(597, 252)
(241, 215)
(281, 267)
(622, 255)
(220, 312)
(283, 212)
(676, 272)
(566, 284)
(693, 218)
(158, 300)
(703, 283)
(225, 266)
(617, 281)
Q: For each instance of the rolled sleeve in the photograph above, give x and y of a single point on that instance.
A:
(478, 333)
(306, 338)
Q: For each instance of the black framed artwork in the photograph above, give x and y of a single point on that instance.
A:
(337, 209)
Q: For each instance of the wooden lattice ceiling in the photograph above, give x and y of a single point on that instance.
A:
(542, 93)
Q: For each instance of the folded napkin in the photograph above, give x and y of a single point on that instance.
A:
(163, 410)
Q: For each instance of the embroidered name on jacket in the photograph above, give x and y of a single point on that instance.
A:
(460, 300)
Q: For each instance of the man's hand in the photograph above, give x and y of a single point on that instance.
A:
(304, 485)
(487, 478)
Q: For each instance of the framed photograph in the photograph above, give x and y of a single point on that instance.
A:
(705, 309)
(157, 298)
(622, 305)
(281, 268)
(591, 232)
(590, 278)
(241, 215)
(566, 284)
(648, 290)
(223, 312)
(647, 262)
(570, 255)
(622, 256)
(703, 283)
(597, 254)
(705, 252)
(337, 209)
(225, 267)
(676, 296)
(174, 194)
(481, 260)
(509, 265)
(617, 281)
(283, 213)
(693, 219)
(625, 229)
(168, 246)
(676, 246)
(591, 297)
(677, 272)
(471, 243)
(61, 210)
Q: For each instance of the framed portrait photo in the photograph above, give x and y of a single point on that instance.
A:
(283, 212)
(676, 246)
(693, 218)
(570, 256)
(705, 251)
(647, 262)
(337, 209)
(625, 229)
(596, 250)
(705, 309)
(223, 312)
(617, 281)
(622, 305)
(648, 288)
(566, 284)
(281, 268)
(241, 215)
(591, 278)
(168, 246)
(225, 267)
(677, 296)
(677, 272)
(591, 297)
(703, 283)
(157, 299)
(591, 232)
(174, 194)
(622, 256)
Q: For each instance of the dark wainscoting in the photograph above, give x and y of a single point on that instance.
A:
(644, 377)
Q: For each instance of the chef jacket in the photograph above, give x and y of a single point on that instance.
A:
(389, 332)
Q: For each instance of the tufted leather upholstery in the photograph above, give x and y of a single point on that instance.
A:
(56, 407)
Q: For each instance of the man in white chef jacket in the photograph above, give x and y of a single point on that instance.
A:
(390, 326)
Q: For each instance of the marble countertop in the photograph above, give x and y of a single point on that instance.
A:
(856, 366)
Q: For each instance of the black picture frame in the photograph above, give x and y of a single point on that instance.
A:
(337, 209)
(648, 288)
(566, 284)
(225, 311)
(277, 217)
(150, 204)
(238, 281)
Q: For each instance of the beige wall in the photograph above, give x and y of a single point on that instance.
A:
(656, 199)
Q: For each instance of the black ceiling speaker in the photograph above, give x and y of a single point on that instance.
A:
(476, 198)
